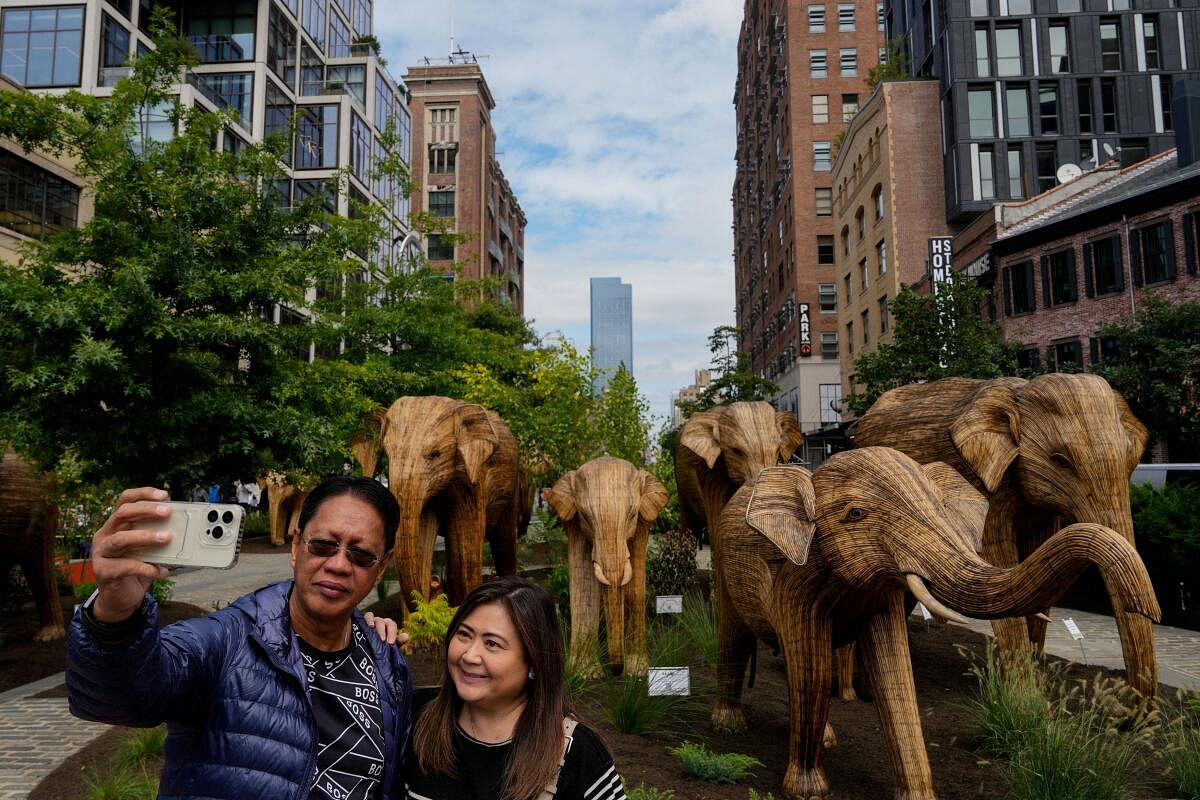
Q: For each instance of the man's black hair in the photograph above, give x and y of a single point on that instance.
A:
(369, 490)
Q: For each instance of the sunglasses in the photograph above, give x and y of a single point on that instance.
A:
(327, 548)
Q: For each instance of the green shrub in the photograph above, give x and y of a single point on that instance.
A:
(142, 745)
(427, 625)
(1183, 755)
(1167, 522)
(671, 563)
(631, 709)
(162, 589)
(644, 792)
(1011, 702)
(667, 643)
(120, 783)
(756, 796)
(83, 590)
(699, 622)
(1074, 757)
(700, 762)
(257, 524)
(559, 587)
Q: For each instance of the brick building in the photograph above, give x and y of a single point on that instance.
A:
(456, 176)
(888, 203)
(800, 76)
(1086, 254)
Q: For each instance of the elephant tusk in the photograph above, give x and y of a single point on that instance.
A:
(1044, 617)
(627, 575)
(600, 574)
(917, 587)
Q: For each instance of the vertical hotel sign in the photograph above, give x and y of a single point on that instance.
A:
(805, 332)
(940, 262)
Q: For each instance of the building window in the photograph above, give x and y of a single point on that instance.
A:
(278, 118)
(231, 90)
(362, 17)
(846, 281)
(441, 203)
(317, 137)
(312, 71)
(983, 61)
(1110, 44)
(849, 338)
(314, 20)
(824, 202)
(353, 77)
(1068, 356)
(1150, 40)
(986, 170)
(1047, 167)
(1016, 176)
(830, 394)
(155, 123)
(1059, 284)
(1018, 288)
(1008, 51)
(820, 109)
(880, 17)
(1103, 267)
(1060, 48)
(866, 326)
(1108, 105)
(825, 250)
(281, 46)
(822, 160)
(845, 13)
(827, 297)
(859, 223)
(441, 247)
(360, 148)
(1083, 94)
(221, 30)
(1016, 102)
(845, 240)
(1020, 7)
(42, 46)
(877, 201)
(829, 345)
(441, 159)
(1164, 101)
(1105, 348)
(816, 19)
(849, 106)
(34, 202)
(1048, 107)
(114, 51)
(1153, 251)
(881, 255)
(848, 60)
(980, 110)
(1029, 359)
(862, 275)
(817, 66)
(339, 38)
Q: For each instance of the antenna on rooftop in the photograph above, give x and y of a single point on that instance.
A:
(450, 52)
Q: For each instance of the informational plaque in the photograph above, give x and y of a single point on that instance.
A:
(1073, 629)
(669, 681)
(668, 603)
(925, 615)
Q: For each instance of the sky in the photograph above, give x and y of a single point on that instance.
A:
(615, 127)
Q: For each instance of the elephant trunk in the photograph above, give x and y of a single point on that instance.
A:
(410, 545)
(614, 623)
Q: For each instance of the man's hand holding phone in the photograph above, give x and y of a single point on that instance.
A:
(122, 578)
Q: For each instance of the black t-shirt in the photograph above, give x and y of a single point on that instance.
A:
(345, 701)
(587, 774)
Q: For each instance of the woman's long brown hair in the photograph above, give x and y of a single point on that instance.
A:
(538, 735)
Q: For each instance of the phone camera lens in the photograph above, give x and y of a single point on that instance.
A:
(212, 515)
(227, 517)
(217, 532)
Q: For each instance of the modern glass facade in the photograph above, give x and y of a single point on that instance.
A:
(612, 327)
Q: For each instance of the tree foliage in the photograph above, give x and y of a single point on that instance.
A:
(142, 348)
(733, 380)
(893, 66)
(1157, 369)
(936, 336)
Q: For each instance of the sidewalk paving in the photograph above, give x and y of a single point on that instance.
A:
(37, 735)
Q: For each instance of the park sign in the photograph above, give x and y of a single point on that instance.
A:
(805, 331)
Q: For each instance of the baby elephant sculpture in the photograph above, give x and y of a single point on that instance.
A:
(283, 506)
(28, 523)
(607, 506)
(809, 562)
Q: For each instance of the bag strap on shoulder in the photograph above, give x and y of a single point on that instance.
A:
(568, 736)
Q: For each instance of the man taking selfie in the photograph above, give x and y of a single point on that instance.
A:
(286, 693)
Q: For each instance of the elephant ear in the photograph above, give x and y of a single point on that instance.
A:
(987, 433)
(965, 506)
(562, 497)
(782, 508)
(1134, 429)
(699, 435)
(654, 497)
(790, 436)
(476, 438)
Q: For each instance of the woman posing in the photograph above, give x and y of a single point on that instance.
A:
(498, 729)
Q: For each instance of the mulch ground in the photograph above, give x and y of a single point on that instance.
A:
(858, 766)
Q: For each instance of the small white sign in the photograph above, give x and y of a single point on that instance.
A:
(1073, 629)
(668, 604)
(925, 615)
(669, 680)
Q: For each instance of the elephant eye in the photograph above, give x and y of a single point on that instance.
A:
(854, 514)
(1062, 460)
(434, 454)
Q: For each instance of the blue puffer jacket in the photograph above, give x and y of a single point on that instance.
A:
(232, 688)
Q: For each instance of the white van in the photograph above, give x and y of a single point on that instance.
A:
(1156, 474)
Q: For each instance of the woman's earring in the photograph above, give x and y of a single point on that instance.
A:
(530, 674)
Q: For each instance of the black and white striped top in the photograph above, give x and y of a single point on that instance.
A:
(587, 774)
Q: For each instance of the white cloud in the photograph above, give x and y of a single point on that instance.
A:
(616, 129)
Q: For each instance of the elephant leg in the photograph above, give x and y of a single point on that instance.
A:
(806, 634)
(637, 659)
(845, 673)
(735, 645)
(1036, 528)
(889, 669)
(39, 574)
(503, 539)
(585, 606)
(1000, 548)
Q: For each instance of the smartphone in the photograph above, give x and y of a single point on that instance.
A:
(202, 535)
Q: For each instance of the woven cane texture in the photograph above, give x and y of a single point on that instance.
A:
(28, 525)
(607, 506)
(1056, 448)
(866, 526)
(284, 501)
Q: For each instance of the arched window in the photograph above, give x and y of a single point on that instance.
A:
(877, 200)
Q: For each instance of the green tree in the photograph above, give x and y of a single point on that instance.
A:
(936, 336)
(621, 419)
(733, 379)
(1157, 369)
(893, 66)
